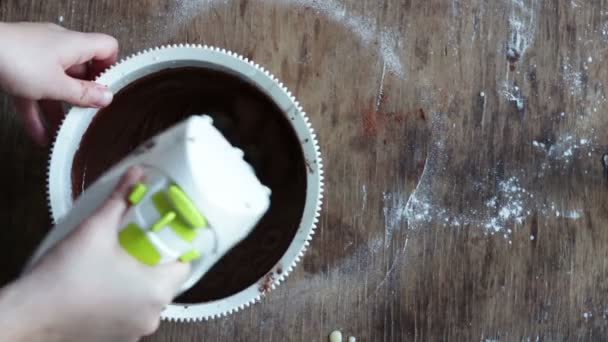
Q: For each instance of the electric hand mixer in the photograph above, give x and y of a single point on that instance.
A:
(197, 200)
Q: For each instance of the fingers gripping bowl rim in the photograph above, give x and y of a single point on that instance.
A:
(130, 69)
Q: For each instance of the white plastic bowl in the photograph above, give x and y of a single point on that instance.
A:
(151, 61)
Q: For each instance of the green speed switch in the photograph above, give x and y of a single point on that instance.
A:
(138, 193)
(185, 207)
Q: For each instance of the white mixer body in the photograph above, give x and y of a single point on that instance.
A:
(197, 200)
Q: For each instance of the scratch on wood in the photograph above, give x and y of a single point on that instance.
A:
(380, 96)
(396, 260)
(373, 118)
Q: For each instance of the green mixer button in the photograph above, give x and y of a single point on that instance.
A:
(183, 230)
(136, 243)
(190, 255)
(163, 221)
(163, 206)
(185, 207)
(138, 192)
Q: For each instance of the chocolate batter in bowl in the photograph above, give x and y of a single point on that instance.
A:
(258, 116)
(248, 119)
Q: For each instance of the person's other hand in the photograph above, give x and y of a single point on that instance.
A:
(88, 288)
(44, 64)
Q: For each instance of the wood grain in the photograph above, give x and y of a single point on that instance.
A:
(379, 269)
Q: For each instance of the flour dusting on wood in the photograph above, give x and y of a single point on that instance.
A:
(573, 78)
(507, 204)
(522, 28)
(394, 210)
(564, 150)
(522, 23)
(513, 94)
(388, 40)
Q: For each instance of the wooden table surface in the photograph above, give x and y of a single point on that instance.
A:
(466, 198)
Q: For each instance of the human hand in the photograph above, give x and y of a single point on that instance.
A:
(43, 64)
(88, 288)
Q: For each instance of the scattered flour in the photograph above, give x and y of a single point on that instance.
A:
(509, 203)
(389, 41)
(513, 94)
(394, 210)
(539, 144)
(573, 214)
(376, 245)
(604, 31)
(505, 208)
(565, 150)
(508, 206)
(522, 27)
(572, 78)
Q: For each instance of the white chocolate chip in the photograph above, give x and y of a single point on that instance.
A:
(335, 336)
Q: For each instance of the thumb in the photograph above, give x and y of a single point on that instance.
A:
(83, 93)
(170, 276)
(111, 212)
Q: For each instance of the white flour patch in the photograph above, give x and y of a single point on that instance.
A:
(419, 210)
(564, 151)
(513, 94)
(522, 27)
(522, 23)
(508, 204)
(573, 214)
(519, 39)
